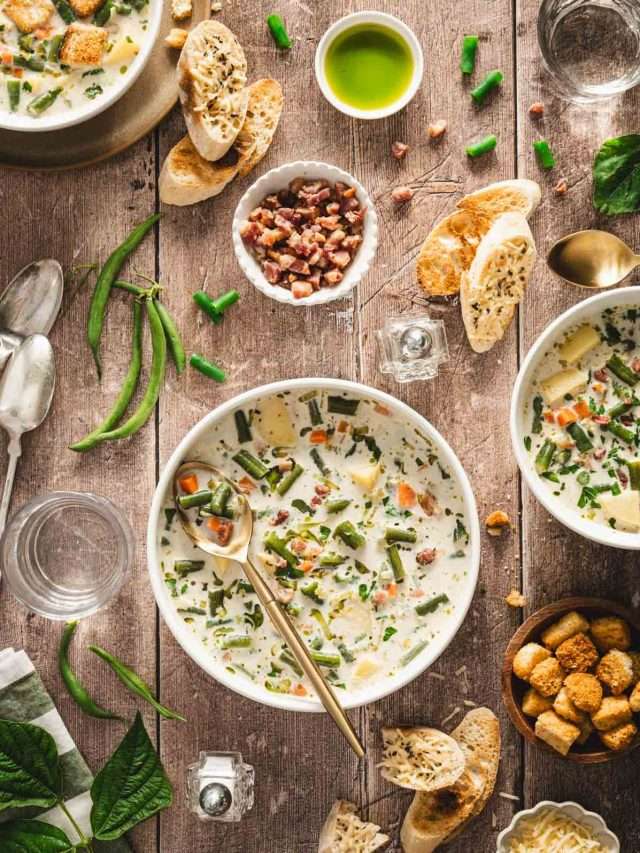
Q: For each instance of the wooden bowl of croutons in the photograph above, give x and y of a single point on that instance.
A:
(571, 679)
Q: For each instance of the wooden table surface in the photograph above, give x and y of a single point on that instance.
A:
(301, 762)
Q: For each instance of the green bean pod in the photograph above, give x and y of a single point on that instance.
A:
(75, 688)
(126, 392)
(174, 341)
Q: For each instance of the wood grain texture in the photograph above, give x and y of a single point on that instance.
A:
(301, 762)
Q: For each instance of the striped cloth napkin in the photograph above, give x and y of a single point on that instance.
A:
(24, 698)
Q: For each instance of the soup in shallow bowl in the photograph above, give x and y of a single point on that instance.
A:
(365, 525)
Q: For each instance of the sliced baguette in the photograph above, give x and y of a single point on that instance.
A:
(212, 73)
(344, 832)
(187, 178)
(518, 196)
(449, 250)
(421, 759)
(496, 281)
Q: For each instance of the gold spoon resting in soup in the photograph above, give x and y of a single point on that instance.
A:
(593, 259)
(237, 548)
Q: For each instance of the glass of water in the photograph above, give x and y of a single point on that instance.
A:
(591, 47)
(66, 554)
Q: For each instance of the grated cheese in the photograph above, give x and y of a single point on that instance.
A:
(552, 831)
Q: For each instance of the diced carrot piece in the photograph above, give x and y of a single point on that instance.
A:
(566, 417)
(392, 589)
(7, 58)
(17, 72)
(582, 409)
(299, 690)
(381, 409)
(222, 527)
(189, 483)
(549, 417)
(300, 289)
(318, 436)
(305, 566)
(246, 485)
(405, 496)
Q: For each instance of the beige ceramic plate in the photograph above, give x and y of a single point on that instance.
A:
(139, 110)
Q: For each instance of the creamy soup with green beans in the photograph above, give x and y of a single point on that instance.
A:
(57, 56)
(583, 417)
(359, 528)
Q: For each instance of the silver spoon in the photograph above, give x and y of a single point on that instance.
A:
(26, 390)
(29, 304)
(593, 259)
(238, 550)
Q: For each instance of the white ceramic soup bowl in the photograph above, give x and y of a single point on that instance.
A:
(384, 20)
(45, 122)
(192, 645)
(278, 179)
(520, 423)
(572, 810)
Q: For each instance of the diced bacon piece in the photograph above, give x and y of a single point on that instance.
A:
(315, 257)
(333, 277)
(296, 185)
(271, 272)
(285, 212)
(284, 224)
(284, 595)
(622, 476)
(536, 109)
(300, 289)
(336, 237)
(322, 264)
(329, 222)
(280, 517)
(562, 187)
(399, 150)
(313, 198)
(221, 528)
(316, 501)
(428, 504)
(350, 192)
(299, 266)
(437, 129)
(255, 214)
(352, 242)
(322, 490)
(401, 195)
(599, 453)
(250, 231)
(340, 259)
(635, 365)
(356, 218)
(602, 419)
(314, 187)
(349, 204)
(333, 207)
(297, 218)
(314, 280)
(285, 260)
(271, 201)
(601, 375)
(305, 249)
(271, 236)
(426, 557)
(340, 188)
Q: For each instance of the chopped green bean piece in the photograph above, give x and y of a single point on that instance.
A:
(413, 653)
(622, 370)
(242, 426)
(318, 461)
(621, 432)
(432, 605)
(207, 368)
(337, 506)
(251, 465)
(634, 474)
(582, 440)
(235, 641)
(349, 535)
(279, 32)
(13, 90)
(484, 146)
(314, 412)
(545, 456)
(289, 479)
(342, 405)
(186, 567)
(199, 498)
(396, 563)
(396, 534)
(544, 154)
(490, 82)
(468, 56)
(325, 659)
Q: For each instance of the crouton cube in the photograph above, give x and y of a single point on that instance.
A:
(181, 9)
(533, 704)
(83, 44)
(28, 15)
(619, 738)
(176, 38)
(586, 730)
(564, 707)
(615, 670)
(527, 658)
(614, 711)
(570, 624)
(84, 8)
(557, 732)
(577, 654)
(547, 677)
(584, 690)
(634, 700)
(611, 632)
(635, 660)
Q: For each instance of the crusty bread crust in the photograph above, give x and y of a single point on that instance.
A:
(519, 195)
(264, 109)
(449, 250)
(344, 832)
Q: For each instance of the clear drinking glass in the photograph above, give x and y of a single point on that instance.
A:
(591, 47)
(66, 554)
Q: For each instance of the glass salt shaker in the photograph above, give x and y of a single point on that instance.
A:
(220, 786)
(412, 347)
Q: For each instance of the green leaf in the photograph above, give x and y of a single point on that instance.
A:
(33, 836)
(29, 769)
(616, 175)
(130, 788)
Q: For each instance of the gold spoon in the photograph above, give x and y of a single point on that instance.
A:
(238, 550)
(593, 259)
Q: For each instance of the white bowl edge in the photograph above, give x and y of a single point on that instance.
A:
(277, 179)
(575, 811)
(587, 308)
(193, 647)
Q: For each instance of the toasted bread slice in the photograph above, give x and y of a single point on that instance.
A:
(263, 114)
(518, 196)
(421, 759)
(496, 281)
(212, 74)
(449, 250)
(344, 832)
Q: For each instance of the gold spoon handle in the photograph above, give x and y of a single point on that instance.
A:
(287, 631)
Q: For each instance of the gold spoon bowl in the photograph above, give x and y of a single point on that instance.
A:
(592, 259)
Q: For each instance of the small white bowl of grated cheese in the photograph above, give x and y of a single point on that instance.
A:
(557, 828)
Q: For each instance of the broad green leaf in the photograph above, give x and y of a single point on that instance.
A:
(130, 788)
(33, 836)
(616, 175)
(29, 768)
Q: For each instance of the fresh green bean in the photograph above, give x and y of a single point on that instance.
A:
(545, 456)
(396, 563)
(207, 368)
(174, 341)
(42, 102)
(199, 498)
(289, 479)
(314, 412)
(242, 426)
(582, 440)
(484, 146)
(468, 55)
(101, 17)
(65, 11)
(349, 535)
(220, 499)
(318, 461)
(620, 409)
(134, 683)
(156, 378)
(490, 82)
(226, 300)
(187, 567)
(432, 605)
(634, 474)
(342, 405)
(622, 370)
(279, 32)
(621, 432)
(325, 659)
(254, 467)
(413, 653)
(205, 303)
(544, 154)
(13, 91)
(54, 48)
(106, 278)
(396, 534)
(30, 62)
(76, 689)
(235, 641)
(126, 392)
(337, 506)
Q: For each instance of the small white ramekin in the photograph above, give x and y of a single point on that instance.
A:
(582, 312)
(576, 812)
(278, 179)
(385, 20)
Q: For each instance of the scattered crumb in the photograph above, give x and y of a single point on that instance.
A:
(437, 129)
(399, 150)
(496, 522)
(216, 6)
(437, 675)
(401, 195)
(494, 820)
(176, 38)
(561, 187)
(515, 599)
(536, 110)
(453, 714)
(181, 9)
(511, 797)
(469, 704)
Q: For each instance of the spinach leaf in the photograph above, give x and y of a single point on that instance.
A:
(33, 836)
(29, 769)
(616, 176)
(130, 788)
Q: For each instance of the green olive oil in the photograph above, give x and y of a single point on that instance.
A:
(369, 66)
